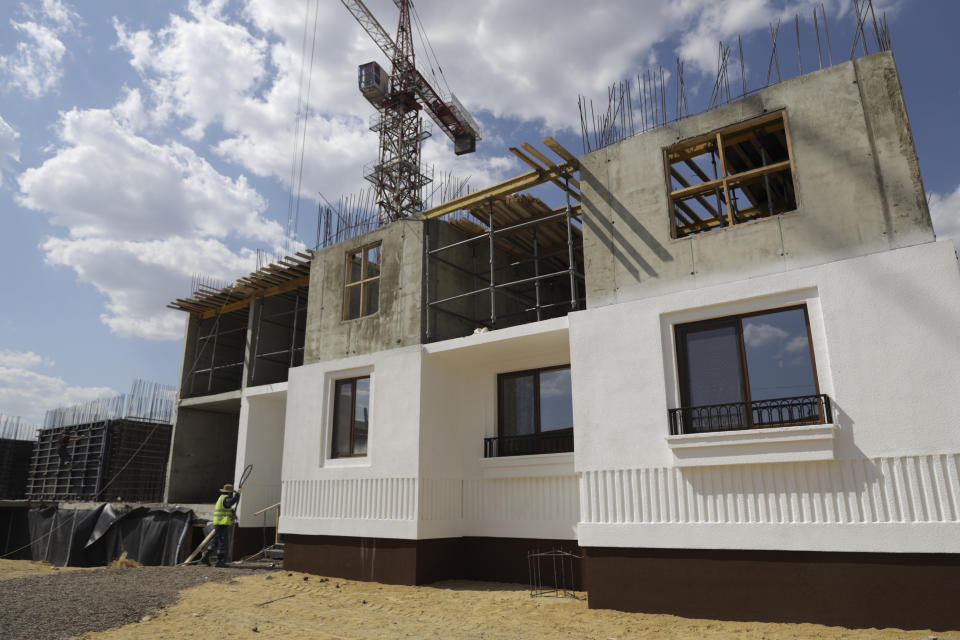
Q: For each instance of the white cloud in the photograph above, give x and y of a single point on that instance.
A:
(797, 343)
(108, 182)
(35, 69)
(761, 335)
(28, 394)
(23, 359)
(141, 217)
(945, 213)
(9, 147)
(140, 277)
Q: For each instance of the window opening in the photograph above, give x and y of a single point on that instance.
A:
(535, 413)
(362, 288)
(351, 417)
(740, 173)
(748, 371)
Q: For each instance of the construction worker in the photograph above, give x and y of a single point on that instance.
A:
(63, 446)
(223, 515)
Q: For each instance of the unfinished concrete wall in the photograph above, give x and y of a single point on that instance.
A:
(858, 190)
(398, 320)
(202, 454)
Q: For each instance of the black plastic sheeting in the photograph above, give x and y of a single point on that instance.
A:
(94, 537)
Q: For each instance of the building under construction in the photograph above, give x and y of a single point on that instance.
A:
(708, 368)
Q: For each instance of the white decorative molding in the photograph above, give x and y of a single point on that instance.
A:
(441, 499)
(755, 446)
(352, 499)
(521, 499)
(534, 466)
(903, 489)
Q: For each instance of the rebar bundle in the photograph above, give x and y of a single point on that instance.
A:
(16, 428)
(636, 108)
(147, 401)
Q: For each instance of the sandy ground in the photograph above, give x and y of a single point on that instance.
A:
(298, 606)
(10, 569)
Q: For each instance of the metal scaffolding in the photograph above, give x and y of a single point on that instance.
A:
(563, 264)
(289, 337)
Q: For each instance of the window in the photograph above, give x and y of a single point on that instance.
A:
(351, 417)
(535, 413)
(748, 371)
(740, 173)
(362, 290)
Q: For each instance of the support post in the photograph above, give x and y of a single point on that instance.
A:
(536, 271)
(493, 290)
(256, 343)
(571, 264)
(213, 354)
(426, 284)
(293, 332)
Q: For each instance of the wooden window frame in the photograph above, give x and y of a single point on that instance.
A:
(683, 373)
(353, 418)
(723, 184)
(363, 282)
(536, 394)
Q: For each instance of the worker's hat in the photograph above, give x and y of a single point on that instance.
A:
(227, 488)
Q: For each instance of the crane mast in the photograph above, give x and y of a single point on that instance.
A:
(399, 98)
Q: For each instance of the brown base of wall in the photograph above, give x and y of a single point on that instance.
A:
(249, 540)
(420, 561)
(906, 591)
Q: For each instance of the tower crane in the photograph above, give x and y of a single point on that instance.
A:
(399, 98)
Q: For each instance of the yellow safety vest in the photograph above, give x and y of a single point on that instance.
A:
(221, 514)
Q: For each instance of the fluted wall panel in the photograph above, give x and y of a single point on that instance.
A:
(891, 489)
(354, 498)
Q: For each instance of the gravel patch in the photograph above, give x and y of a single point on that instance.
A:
(62, 605)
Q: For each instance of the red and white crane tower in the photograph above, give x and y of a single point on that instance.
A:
(399, 98)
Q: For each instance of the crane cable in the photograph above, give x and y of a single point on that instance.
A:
(424, 36)
(296, 130)
(306, 120)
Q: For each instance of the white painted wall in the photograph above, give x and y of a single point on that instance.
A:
(463, 494)
(424, 475)
(260, 443)
(374, 495)
(884, 330)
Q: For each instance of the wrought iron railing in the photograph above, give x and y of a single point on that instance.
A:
(560, 441)
(759, 414)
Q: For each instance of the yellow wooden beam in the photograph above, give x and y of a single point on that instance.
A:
(289, 285)
(500, 190)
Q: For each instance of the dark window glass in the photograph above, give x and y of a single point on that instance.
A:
(351, 417)
(373, 262)
(518, 405)
(712, 361)
(354, 268)
(353, 302)
(556, 400)
(535, 413)
(342, 404)
(371, 292)
(361, 416)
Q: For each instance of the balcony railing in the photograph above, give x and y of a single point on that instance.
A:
(559, 441)
(760, 414)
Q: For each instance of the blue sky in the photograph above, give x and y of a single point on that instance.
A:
(142, 142)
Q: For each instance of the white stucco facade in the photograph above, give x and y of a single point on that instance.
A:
(882, 477)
